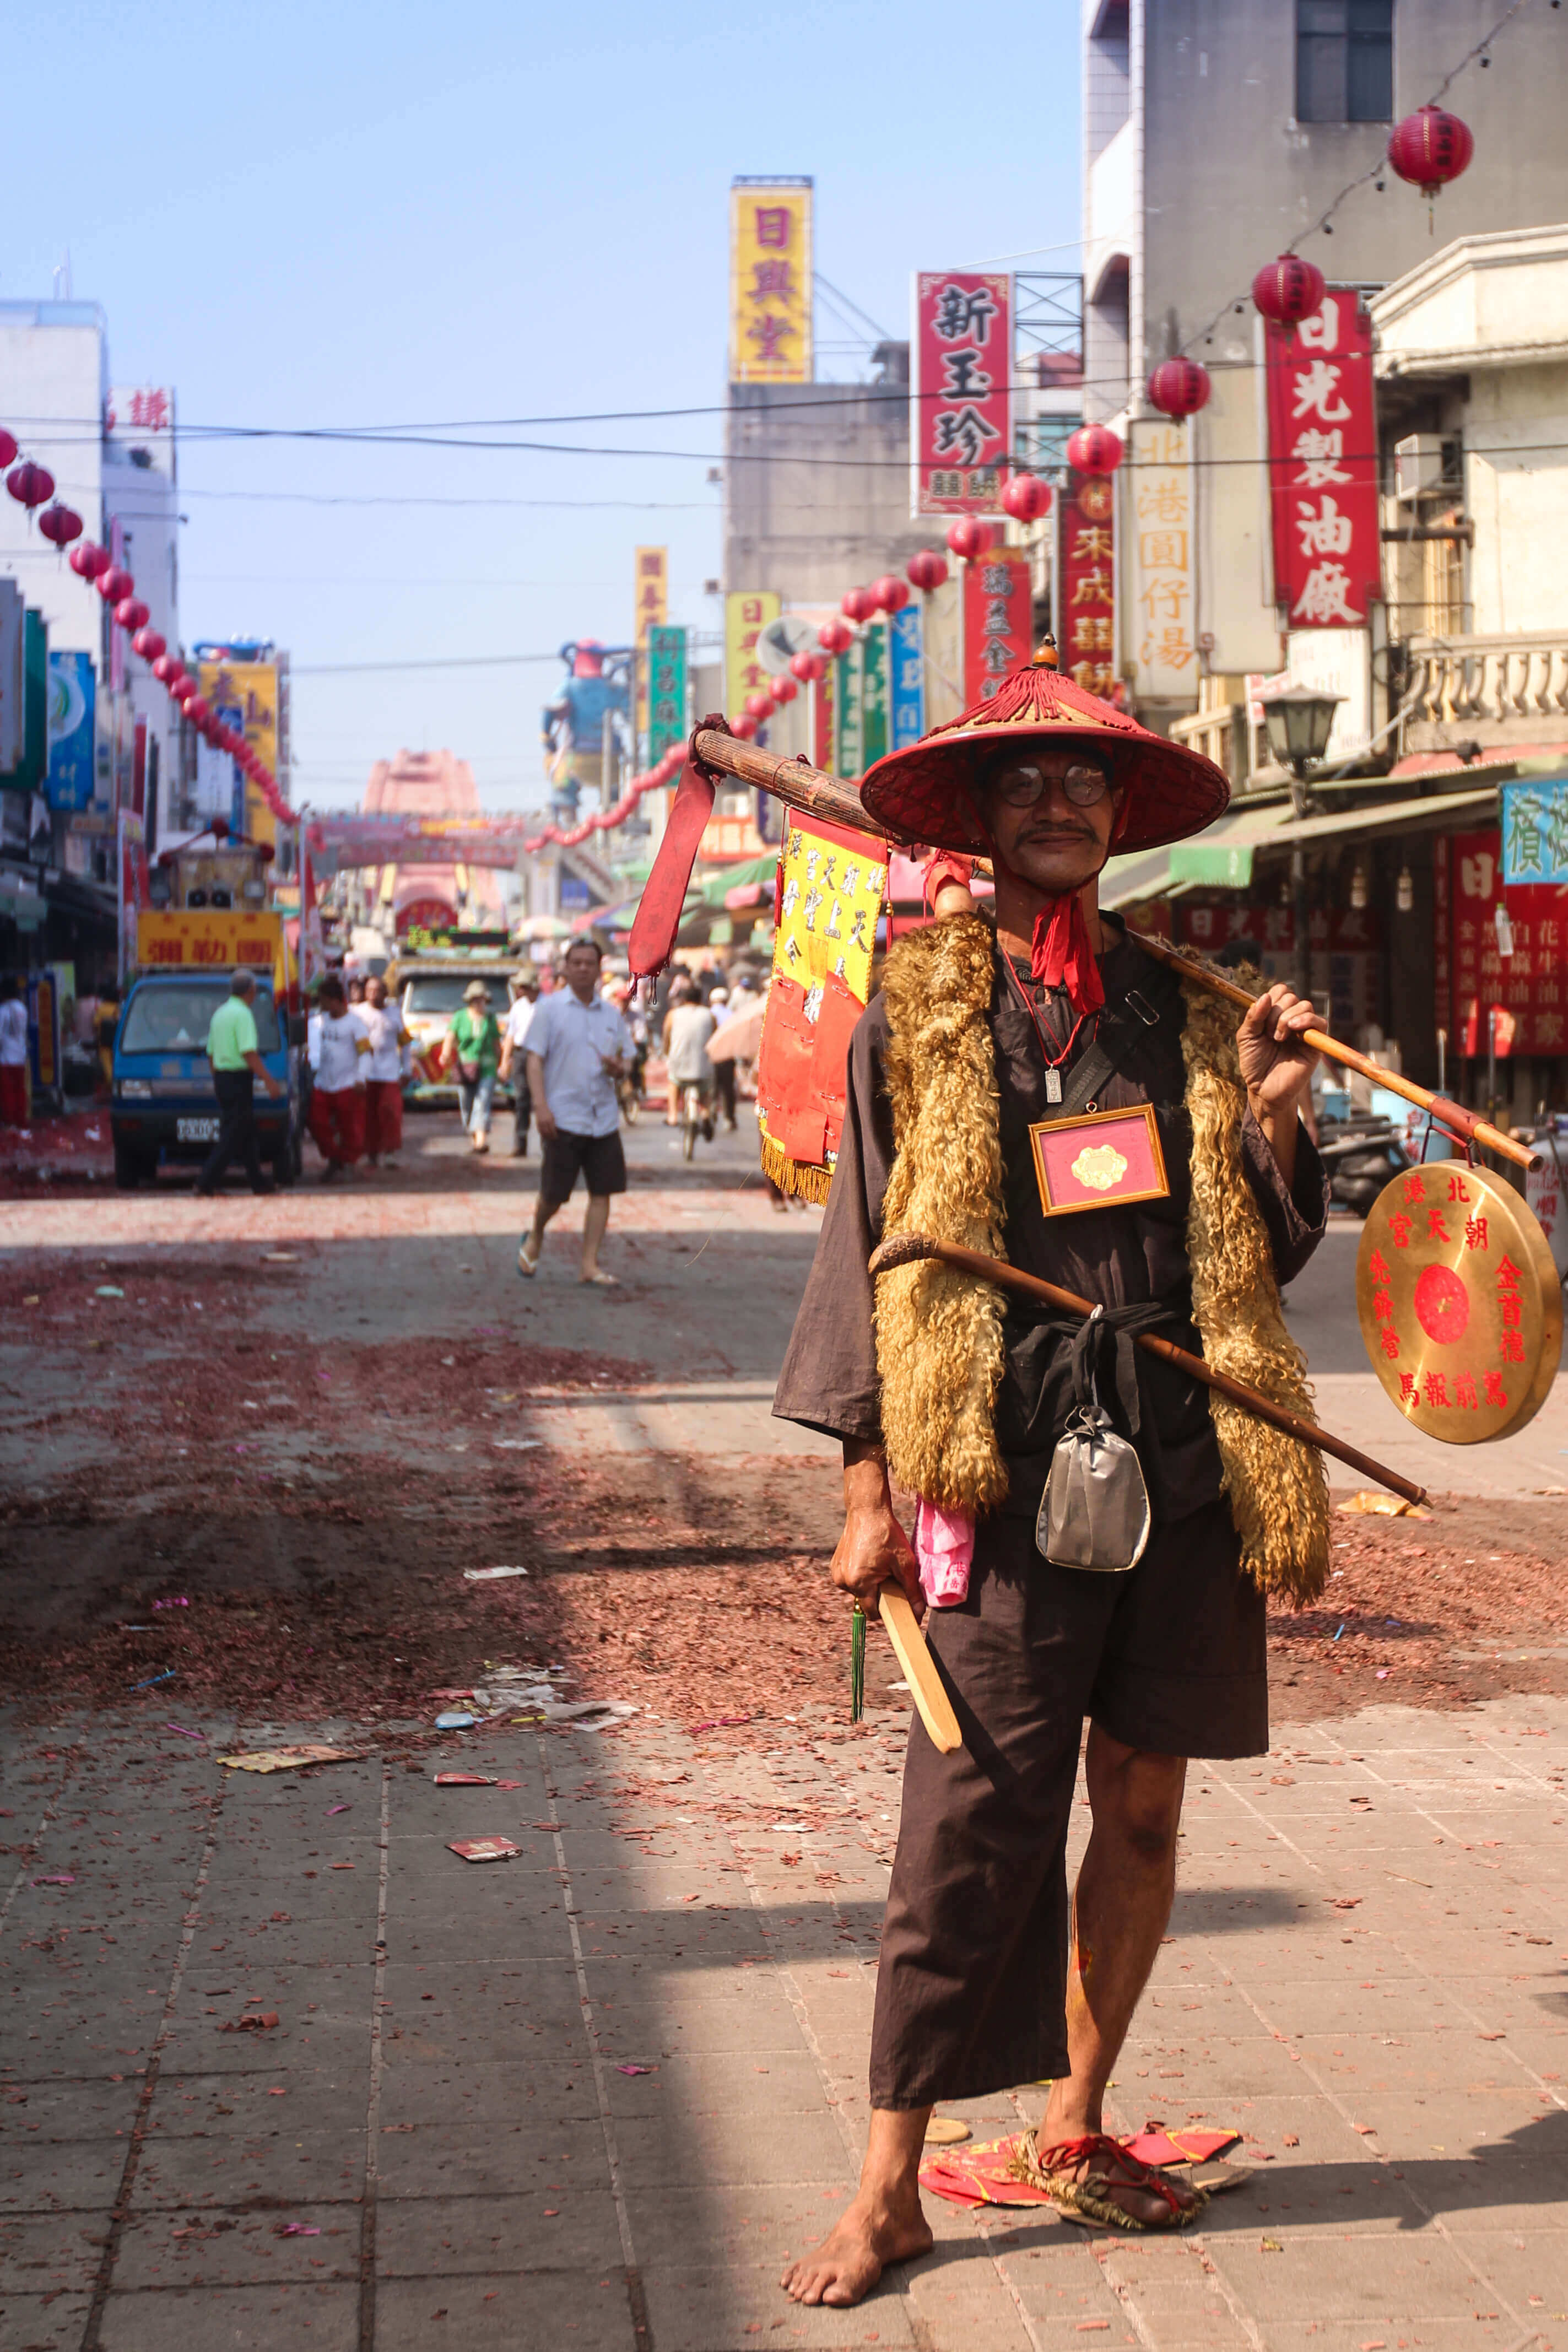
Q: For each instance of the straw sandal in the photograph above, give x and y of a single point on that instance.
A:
(1111, 2164)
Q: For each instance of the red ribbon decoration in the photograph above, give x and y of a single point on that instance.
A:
(1061, 956)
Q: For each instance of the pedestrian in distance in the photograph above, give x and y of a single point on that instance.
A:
(577, 1049)
(338, 1050)
(1038, 1075)
(687, 1026)
(355, 990)
(724, 1070)
(13, 1053)
(390, 1061)
(473, 1051)
(234, 1051)
(524, 989)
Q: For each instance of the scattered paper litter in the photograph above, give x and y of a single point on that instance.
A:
(175, 1601)
(501, 1696)
(491, 1575)
(108, 1290)
(60, 1878)
(295, 2229)
(518, 1445)
(282, 1257)
(182, 1732)
(456, 1720)
(636, 2070)
(496, 1849)
(1384, 1507)
(289, 1760)
(262, 2023)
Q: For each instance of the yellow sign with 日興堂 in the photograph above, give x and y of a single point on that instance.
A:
(210, 939)
(771, 282)
(747, 611)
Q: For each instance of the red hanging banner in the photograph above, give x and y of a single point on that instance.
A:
(997, 610)
(1086, 582)
(1323, 465)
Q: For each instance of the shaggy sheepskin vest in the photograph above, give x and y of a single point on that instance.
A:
(939, 1349)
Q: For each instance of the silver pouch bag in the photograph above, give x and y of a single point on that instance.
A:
(1094, 1512)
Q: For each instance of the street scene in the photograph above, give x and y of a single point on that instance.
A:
(838, 1344)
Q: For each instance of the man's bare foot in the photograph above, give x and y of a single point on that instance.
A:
(856, 2251)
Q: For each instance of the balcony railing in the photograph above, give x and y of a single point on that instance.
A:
(1502, 689)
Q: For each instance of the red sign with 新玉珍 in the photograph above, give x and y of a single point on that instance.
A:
(960, 406)
(1529, 988)
(1322, 466)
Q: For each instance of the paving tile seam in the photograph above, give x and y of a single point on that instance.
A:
(73, 1752)
(366, 2274)
(636, 2296)
(1405, 2187)
(92, 2333)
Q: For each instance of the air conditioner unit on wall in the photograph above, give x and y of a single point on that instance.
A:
(1417, 466)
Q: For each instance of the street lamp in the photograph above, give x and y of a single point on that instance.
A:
(1299, 720)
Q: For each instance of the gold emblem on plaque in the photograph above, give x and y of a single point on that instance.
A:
(1099, 1166)
(1459, 1304)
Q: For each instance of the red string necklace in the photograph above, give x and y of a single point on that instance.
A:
(1053, 1061)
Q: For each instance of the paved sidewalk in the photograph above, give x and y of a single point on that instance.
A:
(448, 2136)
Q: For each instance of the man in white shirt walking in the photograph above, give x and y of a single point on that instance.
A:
(388, 1063)
(575, 1048)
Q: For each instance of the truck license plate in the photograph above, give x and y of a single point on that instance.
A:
(196, 1130)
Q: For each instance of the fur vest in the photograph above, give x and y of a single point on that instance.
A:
(939, 1332)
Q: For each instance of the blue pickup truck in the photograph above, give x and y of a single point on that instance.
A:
(165, 1110)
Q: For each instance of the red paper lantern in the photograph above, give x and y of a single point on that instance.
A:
(31, 486)
(148, 644)
(197, 711)
(761, 707)
(130, 612)
(1179, 388)
(9, 445)
(166, 668)
(785, 690)
(115, 583)
(1430, 148)
(808, 667)
(745, 727)
(859, 604)
(1094, 449)
(1288, 289)
(89, 559)
(928, 570)
(890, 593)
(1027, 498)
(969, 538)
(836, 636)
(59, 525)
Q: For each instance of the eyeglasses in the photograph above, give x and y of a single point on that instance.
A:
(1022, 783)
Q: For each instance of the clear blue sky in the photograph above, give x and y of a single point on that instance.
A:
(346, 214)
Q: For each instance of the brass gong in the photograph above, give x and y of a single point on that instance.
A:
(1459, 1304)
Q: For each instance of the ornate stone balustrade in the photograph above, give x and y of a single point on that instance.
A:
(1499, 689)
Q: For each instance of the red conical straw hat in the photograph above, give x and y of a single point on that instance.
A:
(930, 792)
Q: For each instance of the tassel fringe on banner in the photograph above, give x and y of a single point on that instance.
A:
(795, 1176)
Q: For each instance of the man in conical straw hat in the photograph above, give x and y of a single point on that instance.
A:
(1039, 1087)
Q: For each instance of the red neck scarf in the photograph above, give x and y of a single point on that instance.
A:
(1061, 956)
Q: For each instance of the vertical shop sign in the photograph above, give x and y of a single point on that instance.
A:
(961, 406)
(246, 694)
(1159, 557)
(1086, 578)
(131, 868)
(13, 677)
(905, 686)
(1443, 941)
(747, 613)
(1534, 833)
(771, 282)
(665, 671)
(998, 604)
(873, 693)
(650, 610)
(1528, 989)
(848, 741)
(73, 722)
(826, 693)
(1323, 465)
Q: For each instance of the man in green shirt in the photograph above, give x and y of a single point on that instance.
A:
(234, 1051)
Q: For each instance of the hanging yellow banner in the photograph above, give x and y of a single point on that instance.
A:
(771, 282)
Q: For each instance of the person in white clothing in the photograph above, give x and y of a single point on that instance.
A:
(390, 1060)
(13, 1053)
(523, 987)
(577, 1049)
(339, 1049)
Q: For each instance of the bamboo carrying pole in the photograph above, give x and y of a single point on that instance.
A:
(807, 789)
(904, 1249)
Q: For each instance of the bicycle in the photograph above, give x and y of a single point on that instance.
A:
(695, 1120)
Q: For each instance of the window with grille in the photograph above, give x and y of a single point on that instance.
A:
(1344, 60)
